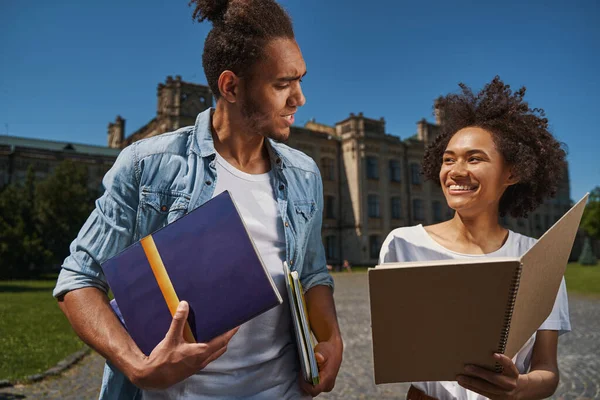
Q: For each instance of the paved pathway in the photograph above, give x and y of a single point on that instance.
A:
(579, 356)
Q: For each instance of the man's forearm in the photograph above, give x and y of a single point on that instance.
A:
(322, 315)
(92, 318)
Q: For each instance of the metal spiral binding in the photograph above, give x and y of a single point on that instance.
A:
(514, 288)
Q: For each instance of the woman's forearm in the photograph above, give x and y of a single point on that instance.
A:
(538, 384)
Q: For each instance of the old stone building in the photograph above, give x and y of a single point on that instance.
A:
(372, 180)
(17, 154)
(178, 104)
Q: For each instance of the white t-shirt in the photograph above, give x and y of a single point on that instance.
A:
(261, 360)
(414, 244)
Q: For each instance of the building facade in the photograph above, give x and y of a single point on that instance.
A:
(17, 154)
(372, 180)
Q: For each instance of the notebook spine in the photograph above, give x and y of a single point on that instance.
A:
(512, 297)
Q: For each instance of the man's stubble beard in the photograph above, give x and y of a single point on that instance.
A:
(255, 121)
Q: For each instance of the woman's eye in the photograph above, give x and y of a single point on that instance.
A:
(447, 160)
(474, 159)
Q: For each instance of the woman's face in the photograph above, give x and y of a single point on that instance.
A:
(474, 174)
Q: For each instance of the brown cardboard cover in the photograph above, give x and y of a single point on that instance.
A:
(426, 324)
(543, 268)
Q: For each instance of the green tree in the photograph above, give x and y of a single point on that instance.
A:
(63, 202)
(590, 222)
(22, 253)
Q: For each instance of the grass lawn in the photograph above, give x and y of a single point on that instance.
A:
(583, 279)
(34, 333)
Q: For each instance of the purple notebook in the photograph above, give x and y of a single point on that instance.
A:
(211, 263)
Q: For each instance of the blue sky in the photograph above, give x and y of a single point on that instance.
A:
(69, 67)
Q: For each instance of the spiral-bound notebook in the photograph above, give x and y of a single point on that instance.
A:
(429, 319)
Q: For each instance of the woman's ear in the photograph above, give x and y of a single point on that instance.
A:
(513, 178)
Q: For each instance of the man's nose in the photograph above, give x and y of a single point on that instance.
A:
(297, 98)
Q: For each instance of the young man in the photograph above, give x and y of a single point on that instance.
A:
(254, 68)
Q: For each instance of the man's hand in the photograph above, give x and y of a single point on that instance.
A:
(329, 359)
(174, 360)
(491, 384)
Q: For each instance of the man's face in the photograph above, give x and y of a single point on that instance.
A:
(270, 95)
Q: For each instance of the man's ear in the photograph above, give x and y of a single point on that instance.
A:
(229, 86)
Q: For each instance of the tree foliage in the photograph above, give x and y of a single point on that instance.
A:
(38, 220)
(590, 222)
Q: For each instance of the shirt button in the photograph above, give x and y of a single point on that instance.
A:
(291, 262)
(163, 208)
(208, 183)
(286, 224)
(281, 187)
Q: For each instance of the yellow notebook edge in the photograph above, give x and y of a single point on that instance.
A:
(164, 282)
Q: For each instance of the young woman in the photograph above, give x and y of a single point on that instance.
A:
(493, 156)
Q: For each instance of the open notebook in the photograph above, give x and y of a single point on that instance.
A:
(429, 319)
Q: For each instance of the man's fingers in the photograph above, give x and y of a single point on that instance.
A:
(222, 340)
(320, 359)
(213, 357)
(179, 319)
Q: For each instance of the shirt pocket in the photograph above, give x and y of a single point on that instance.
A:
(160, 208)
(303, 212)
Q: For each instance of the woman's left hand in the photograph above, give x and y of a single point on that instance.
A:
(492, 384)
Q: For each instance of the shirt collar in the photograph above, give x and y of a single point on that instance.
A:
(204, 145)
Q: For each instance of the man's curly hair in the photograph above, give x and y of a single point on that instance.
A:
(241, 29)
(520, 134)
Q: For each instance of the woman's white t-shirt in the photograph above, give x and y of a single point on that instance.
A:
(414, 244)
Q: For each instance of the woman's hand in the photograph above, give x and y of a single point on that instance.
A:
(492, 384)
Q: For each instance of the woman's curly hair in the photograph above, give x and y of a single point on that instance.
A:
(520, 134)
(241, 29)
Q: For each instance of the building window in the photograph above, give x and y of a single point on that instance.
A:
(374, 246)
(396, 208)
(418, 209)
(415, 174)
(372, 168)
(395, 171)
(328, 169)
(331, 247)
(437, 211)
(373, 206)
(329, 207)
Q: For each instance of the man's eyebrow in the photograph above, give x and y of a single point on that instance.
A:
(291, 78)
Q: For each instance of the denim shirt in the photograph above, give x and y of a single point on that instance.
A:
(157, 180)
